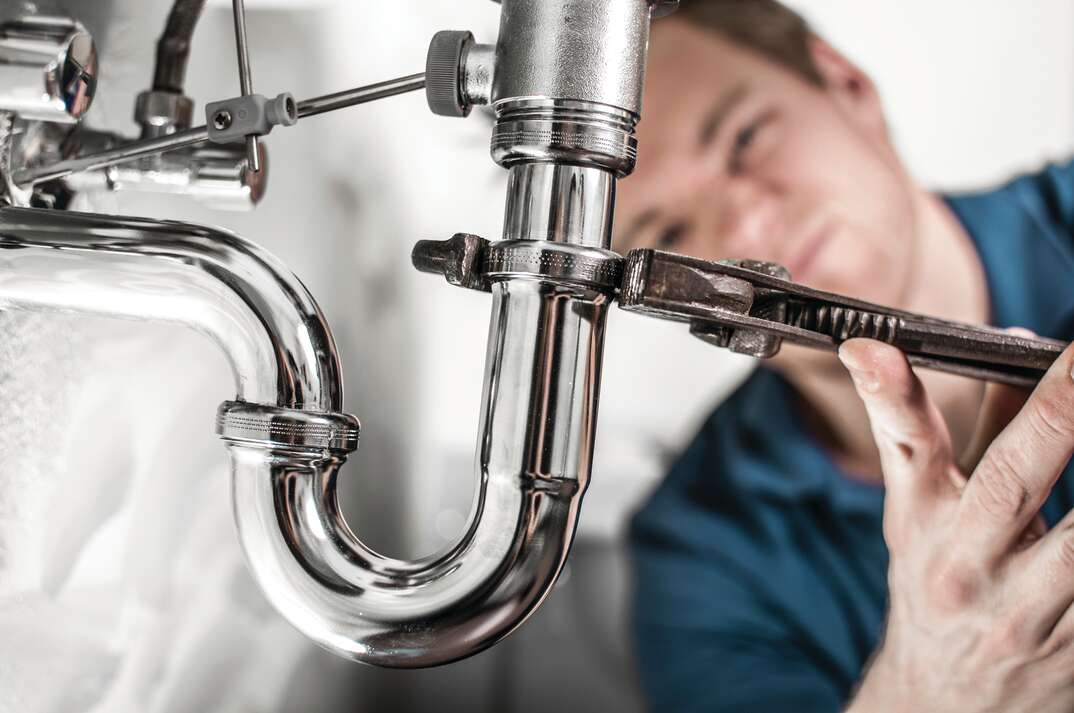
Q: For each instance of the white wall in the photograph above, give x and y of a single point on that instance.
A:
(975, 90)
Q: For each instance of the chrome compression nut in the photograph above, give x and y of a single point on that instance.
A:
(565, 131)
(273, 426)
(163, 112)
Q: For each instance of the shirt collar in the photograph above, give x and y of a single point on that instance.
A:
(783, 460)
(1027, 256)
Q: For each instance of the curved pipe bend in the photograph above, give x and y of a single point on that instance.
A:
(534, 452)
(276, 340)
(537, 419)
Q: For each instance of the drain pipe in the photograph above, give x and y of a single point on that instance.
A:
(565, 81)
(287, 436)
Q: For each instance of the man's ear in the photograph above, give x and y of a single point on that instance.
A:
(850, 86)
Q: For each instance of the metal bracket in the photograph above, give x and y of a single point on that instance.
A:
(235, 119)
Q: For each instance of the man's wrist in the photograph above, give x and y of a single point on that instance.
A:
(875, 692)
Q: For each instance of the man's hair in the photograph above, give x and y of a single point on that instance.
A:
(767, 27)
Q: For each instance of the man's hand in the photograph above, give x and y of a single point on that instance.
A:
(981, 615)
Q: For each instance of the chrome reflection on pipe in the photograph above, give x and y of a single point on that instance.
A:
(280, 349)
(216, 176)
(48, 68)
(287, 439)
(534, 452)
(547, 201)
(566, 93)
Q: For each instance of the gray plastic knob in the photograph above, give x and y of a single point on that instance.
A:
(443, 73)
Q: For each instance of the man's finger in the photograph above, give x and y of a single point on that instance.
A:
(1049, 578)
(1018, 470)
(914, 444)
(1001, 404)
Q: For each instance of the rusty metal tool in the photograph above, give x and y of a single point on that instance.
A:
(752, 307)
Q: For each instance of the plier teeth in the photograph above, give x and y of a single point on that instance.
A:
(752, 307)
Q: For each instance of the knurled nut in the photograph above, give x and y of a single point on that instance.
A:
(565, 141)
(592, 267)
(443, 73)
(277, 427)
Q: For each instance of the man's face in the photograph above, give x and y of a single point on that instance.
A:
(742, 158)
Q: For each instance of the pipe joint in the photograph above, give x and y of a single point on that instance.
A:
(565, 132)
(275, 427)
(559, 263)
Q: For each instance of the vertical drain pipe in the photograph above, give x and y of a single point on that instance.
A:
(565, 81)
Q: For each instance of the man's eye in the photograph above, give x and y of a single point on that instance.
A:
(671, 236)
(745, 137)
(743, 140)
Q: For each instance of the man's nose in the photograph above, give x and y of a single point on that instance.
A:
(747, 216)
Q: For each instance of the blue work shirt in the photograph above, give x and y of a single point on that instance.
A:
(759, 565)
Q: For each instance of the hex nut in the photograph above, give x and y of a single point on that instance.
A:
(159, 108)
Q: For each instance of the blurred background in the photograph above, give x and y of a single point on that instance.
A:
(122, 587)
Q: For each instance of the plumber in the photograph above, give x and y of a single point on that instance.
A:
(851, 536)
